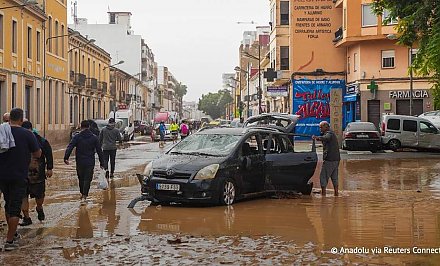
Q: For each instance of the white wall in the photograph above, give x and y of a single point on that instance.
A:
(114, 39)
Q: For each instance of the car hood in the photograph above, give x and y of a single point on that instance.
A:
(185, 163)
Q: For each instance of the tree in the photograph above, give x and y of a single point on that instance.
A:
(180, 91)
(214, 104)
(418, 24)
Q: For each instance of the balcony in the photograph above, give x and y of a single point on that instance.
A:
(79, 79)
(113, 91)
(102, 87)
(339, 35)
(91, 83)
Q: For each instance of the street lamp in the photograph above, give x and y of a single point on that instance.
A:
(248, 81)
(26, 3)
(118, 63)
(259, 75)
(411, 72)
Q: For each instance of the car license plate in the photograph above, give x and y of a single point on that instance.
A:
(170, 187)
(363, 136)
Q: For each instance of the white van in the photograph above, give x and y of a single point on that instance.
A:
(126, 115)
(399, 131)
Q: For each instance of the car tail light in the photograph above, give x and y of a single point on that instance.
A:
(348, 135)
(383, 129)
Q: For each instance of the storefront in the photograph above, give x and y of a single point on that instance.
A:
(352, 104)
(395, 101)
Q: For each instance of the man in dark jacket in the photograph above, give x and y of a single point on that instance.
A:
(331, 157)
(87, 144)
(108, 137)
(37, 177)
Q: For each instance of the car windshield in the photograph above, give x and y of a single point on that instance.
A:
(124, 122)
(361, 127)
(206, 144)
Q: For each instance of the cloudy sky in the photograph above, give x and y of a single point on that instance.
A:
(197, 39)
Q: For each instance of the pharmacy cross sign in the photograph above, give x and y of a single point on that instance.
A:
(270, 75)
(373, 86)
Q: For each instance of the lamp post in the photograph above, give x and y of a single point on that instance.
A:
(74, 33)
(248, 81)
(411, 72)
(234, 108)
(26, 3)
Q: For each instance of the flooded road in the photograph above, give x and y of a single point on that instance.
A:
(390, 203)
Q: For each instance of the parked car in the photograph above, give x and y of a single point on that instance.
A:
(155, 134)
(361, 136)
(433, 117)
(142, 127)
(224, 165)
(399, 131)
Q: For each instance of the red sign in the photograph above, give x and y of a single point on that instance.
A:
(122, 106)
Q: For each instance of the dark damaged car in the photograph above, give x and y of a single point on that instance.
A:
(224, 165)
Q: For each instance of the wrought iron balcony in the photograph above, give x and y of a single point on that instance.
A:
(79, 79)
(102, 86)
(92, 83)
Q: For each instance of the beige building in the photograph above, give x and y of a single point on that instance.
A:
(89, 79)
(378, 79)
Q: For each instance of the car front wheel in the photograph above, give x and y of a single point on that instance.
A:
(394, 144)
(228, 192)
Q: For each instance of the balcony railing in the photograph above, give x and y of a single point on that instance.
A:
(92, 83)
(338, 35)
(102, 87)
(79, 79)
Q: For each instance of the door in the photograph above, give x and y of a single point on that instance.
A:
(286, 169)
(252, 172)
(409, 137)
(429, 136)
(374, 112)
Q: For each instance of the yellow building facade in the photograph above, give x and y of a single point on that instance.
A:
(89, 80)
(33, 64)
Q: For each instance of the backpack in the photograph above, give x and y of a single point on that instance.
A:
(184, 130)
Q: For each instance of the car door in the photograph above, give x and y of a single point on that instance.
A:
(252, 170)
(285, 168)
(409, 136)
(429, 136)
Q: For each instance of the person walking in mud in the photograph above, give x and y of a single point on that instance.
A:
(39, 170)
(331, 157)
(162, 130)
(184, 130)
(174, 129)
(14, 170)
(108, 138)
(86, 144)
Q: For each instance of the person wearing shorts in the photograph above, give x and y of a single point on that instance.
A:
(174, 128)
(331, 157)
(39, 170)
(14, 170)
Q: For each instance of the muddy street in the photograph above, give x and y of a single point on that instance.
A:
(388, 200)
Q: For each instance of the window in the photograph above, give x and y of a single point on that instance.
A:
(1, 31)
(394, 124)
(284, 12)
(410, 125)
(38, 46)
(27, 102)
(412, 55)
(38, 105)
(14, 94)
(251, 146)
(62, 42)
(427, 128)
(355, 63)
(50, 35)
(388, 59)
(56, 39)
(29, 42)
(348, 65)
(385, 15)
(273, 57)
(368, 16)
(14, 36)
(112, 18)
(284, 53)
(50, 102)
(3, 98)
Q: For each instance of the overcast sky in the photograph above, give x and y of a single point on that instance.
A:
(197, 40)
